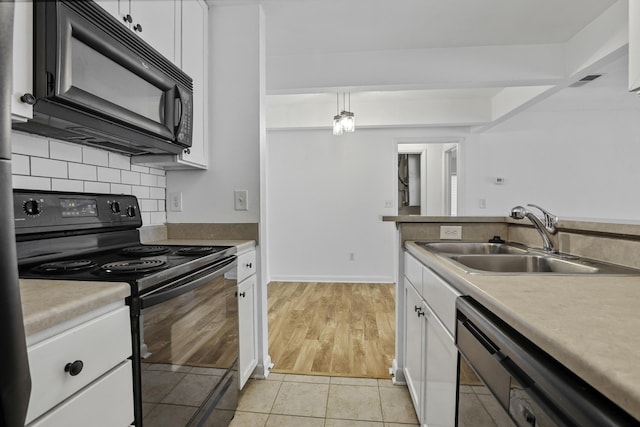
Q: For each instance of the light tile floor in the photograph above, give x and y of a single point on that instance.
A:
(285, 400)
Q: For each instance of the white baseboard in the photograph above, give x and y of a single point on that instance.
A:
(332, 279)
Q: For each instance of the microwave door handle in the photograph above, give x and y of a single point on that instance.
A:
(178, 111)
(162, 107)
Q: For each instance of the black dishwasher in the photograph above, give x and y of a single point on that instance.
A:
(522, 385)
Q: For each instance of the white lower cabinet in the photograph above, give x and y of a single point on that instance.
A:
(248, 336)
(102, 404)
(81, 376)
(247, 315)
(431, 356)
(441, 366)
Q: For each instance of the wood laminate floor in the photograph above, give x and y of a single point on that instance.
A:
(337, 329)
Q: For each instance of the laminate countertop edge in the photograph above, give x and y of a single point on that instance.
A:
(588, 323)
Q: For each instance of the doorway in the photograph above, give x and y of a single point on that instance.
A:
(427, 174)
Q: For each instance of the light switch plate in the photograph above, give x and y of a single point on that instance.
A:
(240, 200)
(451, 232)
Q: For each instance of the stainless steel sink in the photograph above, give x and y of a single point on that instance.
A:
(522, 264)
(510, 258)
(470, 248)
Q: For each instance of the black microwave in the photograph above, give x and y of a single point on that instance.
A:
(97, 83)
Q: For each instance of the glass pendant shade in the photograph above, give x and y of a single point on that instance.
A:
(348, 121)
(337, 125)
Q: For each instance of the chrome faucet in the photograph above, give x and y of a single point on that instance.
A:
(549, 225)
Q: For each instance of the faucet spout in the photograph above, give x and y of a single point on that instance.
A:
(550, 221)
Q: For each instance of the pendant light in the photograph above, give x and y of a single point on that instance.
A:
(344, 121)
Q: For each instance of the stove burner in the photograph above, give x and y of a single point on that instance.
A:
(195, 250)
(65, 266)
(137, 251)
(133, 266)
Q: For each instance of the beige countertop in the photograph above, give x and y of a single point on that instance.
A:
(48, 303)
(588, 323)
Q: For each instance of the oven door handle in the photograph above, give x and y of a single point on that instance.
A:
(188, 283)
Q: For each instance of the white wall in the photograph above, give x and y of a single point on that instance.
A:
(577, 164)
(234, 119)
(40, 163)
(326, 196)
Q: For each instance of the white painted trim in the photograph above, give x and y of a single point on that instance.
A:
(334, 279)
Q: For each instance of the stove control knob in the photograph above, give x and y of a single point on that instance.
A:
(115, 207)
(131, 211)
(32, 208)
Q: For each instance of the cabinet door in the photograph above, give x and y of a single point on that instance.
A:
(441, 373)
(414, 329)
(113, 7)
(194, 63)
(154, 21)
(247, 331)
(22, 60)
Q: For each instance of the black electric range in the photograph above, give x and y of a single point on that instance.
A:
(95, 237)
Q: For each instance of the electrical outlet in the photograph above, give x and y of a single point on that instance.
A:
(451, 232)
(175, 202)
(240, 200)
(388, 204)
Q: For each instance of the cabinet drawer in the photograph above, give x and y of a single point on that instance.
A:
(100, 344)
(413, 271)
(441, 297)
(246, 265)
(107, 402)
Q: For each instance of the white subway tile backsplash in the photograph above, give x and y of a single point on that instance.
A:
(48, 167)
(148, 205)
(92, 156)
(156, 193)
(67, 185)
(97, 187)
(129, 177)
(138, 168)
(108, 175)
(31, 182)
(119, 161)
(159, 172)
(84, 172)
(42, 164)
(149, 180)
(120, 189)
(140, 192)
(30, 145)
(65, 151)
(146, 218)
(158, 217)
(20, 164)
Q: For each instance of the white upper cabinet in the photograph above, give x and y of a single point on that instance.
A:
(194, 63)
(22, 61)
(634, 45)
(191, 56)
(153, 20)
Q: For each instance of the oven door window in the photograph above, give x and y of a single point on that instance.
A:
(191, 346)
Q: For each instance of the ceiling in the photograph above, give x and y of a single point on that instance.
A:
(430, 62)
(300, 26)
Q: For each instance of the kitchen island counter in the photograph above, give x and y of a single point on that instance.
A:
(588, 323)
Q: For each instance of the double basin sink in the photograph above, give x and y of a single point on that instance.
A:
(511, 258)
